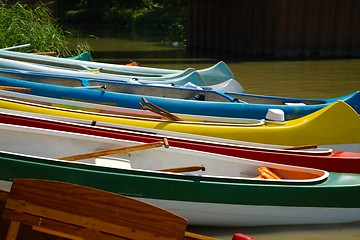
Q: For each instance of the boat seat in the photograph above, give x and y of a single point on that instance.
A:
(267, 173)
(295, 104)
(113, 162)
(82, 213)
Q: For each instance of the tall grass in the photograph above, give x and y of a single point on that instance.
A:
(20, 24)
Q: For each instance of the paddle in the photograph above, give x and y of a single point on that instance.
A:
(15, 88)
(300, 147)
(183, 169)
(154, 111)
(45, 53)
(116, 150)
(159, 111)
(16, 47)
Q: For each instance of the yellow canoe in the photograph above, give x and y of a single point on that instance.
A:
(335, 124)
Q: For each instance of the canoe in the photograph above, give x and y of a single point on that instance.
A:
(108, 109)
(85, 56)
(178, 79)
(174, 100)
(305, 156)
(228, 192)
(217, 73)
(187, 79)
(323, 127)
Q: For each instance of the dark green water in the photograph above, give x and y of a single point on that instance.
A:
(316, 79)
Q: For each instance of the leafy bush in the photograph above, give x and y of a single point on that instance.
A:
(165, 16)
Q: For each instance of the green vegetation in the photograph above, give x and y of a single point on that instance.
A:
(21, 24)
(163, 16)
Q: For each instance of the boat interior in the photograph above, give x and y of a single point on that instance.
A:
(161, 90)
(160, 115)
(156, 156)
(258, 99)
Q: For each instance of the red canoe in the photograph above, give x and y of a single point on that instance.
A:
(346, 162)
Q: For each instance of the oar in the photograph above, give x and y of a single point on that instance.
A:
(156, 112)
(301, 147)
(15, 88)
(116, 150)
(101, 87)
(183, 169)
(16, 47)
(161, 111)
(45, 53)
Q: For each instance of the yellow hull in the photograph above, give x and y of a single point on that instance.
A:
(336, 124)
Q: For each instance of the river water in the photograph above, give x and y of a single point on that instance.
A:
(292, 78)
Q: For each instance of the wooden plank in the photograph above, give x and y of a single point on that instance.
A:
(3, 196)
(100, 153)
(327, 25)
(94, 209)
(354, 29)
(280, 28)
(56, 233)
(241, 21)
(311, 28)
(269, 28)
(194, 236)
(183, 169)
(13, 230)
(342, 28)
(56, 227)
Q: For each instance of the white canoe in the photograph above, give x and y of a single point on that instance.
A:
(225, 193)
(215, 74)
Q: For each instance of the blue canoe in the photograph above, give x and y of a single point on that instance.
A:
(172, 99)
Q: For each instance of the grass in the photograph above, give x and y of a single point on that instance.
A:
(21, 24)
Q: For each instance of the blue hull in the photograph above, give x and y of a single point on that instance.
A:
(228, 108)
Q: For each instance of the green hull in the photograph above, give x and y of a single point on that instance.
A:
(339, 190)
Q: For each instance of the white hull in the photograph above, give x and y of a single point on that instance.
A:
(214, 74)
(226, 215)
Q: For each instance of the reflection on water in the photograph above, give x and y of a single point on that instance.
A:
(317, 79)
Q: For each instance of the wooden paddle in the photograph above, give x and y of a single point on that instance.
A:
(160, 111)
(183, 169)
(301, 147)
(156, 112)
(116, 151)
(10, 88)
(45, 53)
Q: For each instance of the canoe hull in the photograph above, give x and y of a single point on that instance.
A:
(208, 203)
(321, 128)
(347, 162)
(212, 75)
(222, 105)
(250, 215)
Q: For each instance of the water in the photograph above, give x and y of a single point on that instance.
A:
(315, 79)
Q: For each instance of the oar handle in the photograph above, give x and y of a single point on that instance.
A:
(10, 88)
(183, 169)
(301, 147)
(196, 236)
(16, 47)
(170, 115)
(116, 151)
(154, 111)
(45, 53)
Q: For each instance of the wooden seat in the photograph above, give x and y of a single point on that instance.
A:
(78, 212)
